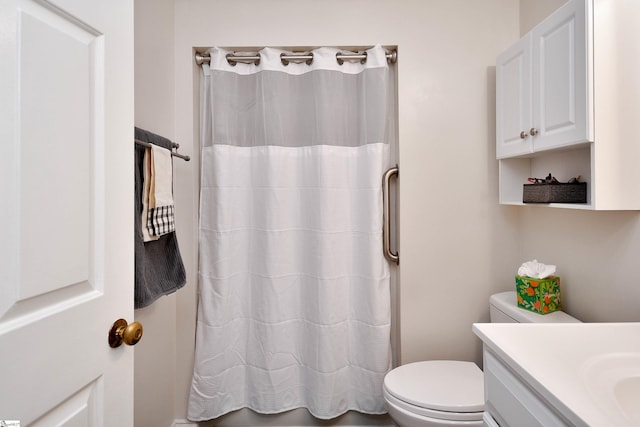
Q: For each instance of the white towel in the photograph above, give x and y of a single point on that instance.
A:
(147, 235)
(158, 192)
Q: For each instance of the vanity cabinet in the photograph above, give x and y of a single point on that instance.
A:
(511, 402)
(560, 374)
(567, 99)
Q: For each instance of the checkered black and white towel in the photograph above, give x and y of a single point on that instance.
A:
(161, 220)
(158, 213)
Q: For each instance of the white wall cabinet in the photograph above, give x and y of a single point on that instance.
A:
(563, 92)
(542, 86)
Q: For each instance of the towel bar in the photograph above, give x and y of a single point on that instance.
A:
(183, 157)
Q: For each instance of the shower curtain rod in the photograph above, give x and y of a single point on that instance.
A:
(233, 58)
(174, 154)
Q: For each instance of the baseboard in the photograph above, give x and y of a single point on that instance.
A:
(187, 423)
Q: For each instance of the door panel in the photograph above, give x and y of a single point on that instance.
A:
(57, 176)
(55, 152)
(513, 100)
(79, 410)
(560, 78)
(66, 261)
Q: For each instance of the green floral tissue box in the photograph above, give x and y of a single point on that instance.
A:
(538, 295)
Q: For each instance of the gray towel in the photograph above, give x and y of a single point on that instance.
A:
(158, 265)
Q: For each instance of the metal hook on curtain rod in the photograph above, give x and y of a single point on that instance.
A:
(248, 57)
(173, 153)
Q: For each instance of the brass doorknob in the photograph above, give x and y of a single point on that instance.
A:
(122, 332)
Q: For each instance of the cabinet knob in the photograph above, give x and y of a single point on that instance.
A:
(523, 135)
(533, 131)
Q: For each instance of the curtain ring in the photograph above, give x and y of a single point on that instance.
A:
(231, 62)
(287, 58)
(341, 55)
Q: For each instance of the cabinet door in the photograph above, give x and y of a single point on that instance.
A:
(513, 100)
(513, 402)
(559, 71)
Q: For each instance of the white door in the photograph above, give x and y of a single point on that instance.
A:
(66, 233)
(513, 100)
(560, 104)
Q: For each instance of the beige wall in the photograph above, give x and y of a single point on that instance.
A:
(596, 252)
(155, 354)
(533, 12)
(457, 244)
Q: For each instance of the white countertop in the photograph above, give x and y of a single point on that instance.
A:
(558, 361)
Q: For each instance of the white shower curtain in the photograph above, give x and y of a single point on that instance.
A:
(294, 298)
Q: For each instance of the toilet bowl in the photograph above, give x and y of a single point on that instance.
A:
(447, 392)
(435, 393)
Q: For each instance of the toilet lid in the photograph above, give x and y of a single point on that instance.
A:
(443, 385)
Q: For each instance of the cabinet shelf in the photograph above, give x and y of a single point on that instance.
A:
(562, 164)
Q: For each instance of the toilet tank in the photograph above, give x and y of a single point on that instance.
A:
(503, 308)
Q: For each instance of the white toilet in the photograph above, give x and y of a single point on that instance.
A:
(447, 392)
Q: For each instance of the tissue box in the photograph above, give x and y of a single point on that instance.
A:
(538, 295)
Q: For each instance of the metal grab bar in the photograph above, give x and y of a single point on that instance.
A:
(386, 216)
